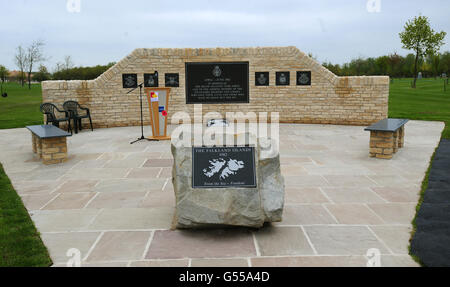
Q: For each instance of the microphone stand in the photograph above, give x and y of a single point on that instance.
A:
(142, 121)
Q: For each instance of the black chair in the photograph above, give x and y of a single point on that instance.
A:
(73, 107)
(49, 110)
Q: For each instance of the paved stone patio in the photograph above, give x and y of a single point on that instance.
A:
(114, 201)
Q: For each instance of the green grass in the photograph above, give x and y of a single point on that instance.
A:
(20, 244)
(427, 102)
(21, 107)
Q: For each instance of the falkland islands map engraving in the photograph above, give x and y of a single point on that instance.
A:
(223, 167)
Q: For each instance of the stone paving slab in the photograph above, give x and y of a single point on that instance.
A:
(160, 263)
(310, 261)
(132, 219)
(58, 243)
(343, 240)
(305, 195)
(306, 214)
(276, 241)
(114, 201)
(353, 213)
(119, 246)
(168, 244)
(219, 263)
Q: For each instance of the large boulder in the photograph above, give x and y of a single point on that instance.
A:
(238, 206)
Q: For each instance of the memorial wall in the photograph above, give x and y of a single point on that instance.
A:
(278, 79)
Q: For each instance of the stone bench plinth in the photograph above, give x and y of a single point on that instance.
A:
(386, 137)
(49, 143)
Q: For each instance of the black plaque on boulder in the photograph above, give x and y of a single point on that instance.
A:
(172, 80)
(129, 81)
(219, 167)
(217, 82)
(261, 78)
(151, 80)
(304, 78)
(282, 78)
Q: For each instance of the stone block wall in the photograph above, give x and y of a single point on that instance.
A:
(54, 150)
(329, 99)
(50, 150)
(384, 144)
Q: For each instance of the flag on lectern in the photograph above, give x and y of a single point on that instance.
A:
(158, 102)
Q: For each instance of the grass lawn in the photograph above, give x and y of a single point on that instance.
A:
(21, 107)
(427, 102)
(20, 244)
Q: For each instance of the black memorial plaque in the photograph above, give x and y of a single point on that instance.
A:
(261, 78)
(304, 78)
(219, 82)
(151, 80)
(216, 167)
(282, 78)
(172, 80)
(129, 81)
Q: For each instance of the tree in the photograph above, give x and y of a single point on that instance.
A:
(64, 66)
(395, 62)
(79, 73)
(3, 73)
(20, 59)
(393, 65)
(445, 63)
(68, 64)
(42, 74)
(34, 55)
(419, 36)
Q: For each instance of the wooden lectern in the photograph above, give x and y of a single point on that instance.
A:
(158, 103)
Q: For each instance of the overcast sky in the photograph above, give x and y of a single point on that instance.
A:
(107, 30)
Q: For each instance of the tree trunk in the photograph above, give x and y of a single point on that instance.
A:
(415, 70)
(22, 80)
(29, 80)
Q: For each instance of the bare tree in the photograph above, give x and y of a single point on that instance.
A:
(3, 73)
(68, 64)
(34, 55)
(58, 67)
(20, 59)
(65, 65)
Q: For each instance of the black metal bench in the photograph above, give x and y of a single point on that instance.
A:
(386, 137)
(49, 143)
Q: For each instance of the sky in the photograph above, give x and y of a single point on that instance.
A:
(99, 31)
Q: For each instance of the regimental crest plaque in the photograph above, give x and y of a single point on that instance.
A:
(304, 78)
(261, 78)
(282, 78)
(217, 82)
(172, 80)
(151, 80)
(129, 81)
(220, 167)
